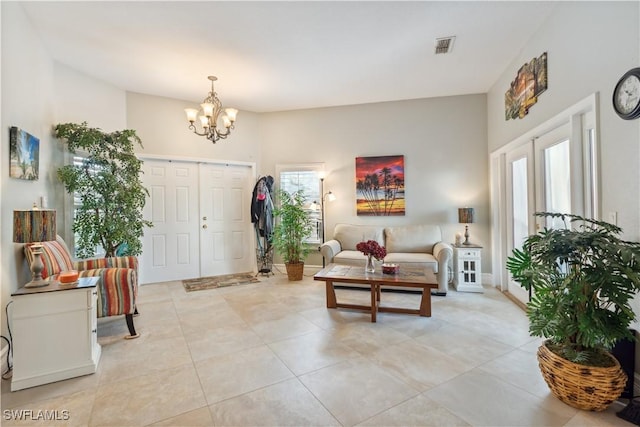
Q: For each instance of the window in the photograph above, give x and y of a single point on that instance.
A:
(305, 177)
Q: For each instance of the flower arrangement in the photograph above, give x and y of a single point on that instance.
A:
(372, 248)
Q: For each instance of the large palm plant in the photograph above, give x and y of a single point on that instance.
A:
(582, 279)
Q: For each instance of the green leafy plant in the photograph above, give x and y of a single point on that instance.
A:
(293, 226)
(582, 279)
(109, 187)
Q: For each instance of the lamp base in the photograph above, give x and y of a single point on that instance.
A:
(466, 236)
(38, 283)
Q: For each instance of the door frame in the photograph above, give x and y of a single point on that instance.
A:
(200, 160)
(581, 117)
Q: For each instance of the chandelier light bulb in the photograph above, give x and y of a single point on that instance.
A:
(192, 114)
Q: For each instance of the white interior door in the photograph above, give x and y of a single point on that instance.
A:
(520, 206)
(171, 246)
(226, 238)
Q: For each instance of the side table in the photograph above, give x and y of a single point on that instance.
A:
(55, 333)
(467, 268)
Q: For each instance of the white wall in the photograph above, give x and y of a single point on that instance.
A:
(38, 93)
(27, 102)
(443, 141)
(82, 98)
(163, 127)
(590, 45)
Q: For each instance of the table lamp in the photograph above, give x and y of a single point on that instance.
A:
(35, 226)
(465, 216)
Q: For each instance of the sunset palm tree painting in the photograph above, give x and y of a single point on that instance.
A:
(380, 185)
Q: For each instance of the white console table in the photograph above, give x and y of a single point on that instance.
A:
(467, 268)
(54, 332)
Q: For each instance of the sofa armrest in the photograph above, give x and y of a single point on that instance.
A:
(443, 252)
(330, 249)
(111, 262)
(117, 290)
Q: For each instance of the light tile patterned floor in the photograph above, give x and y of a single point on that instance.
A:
(272, 354)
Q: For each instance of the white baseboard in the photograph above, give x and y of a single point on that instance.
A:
(487, 279)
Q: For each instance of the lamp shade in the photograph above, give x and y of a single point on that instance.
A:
(465, 215)
(35, 225)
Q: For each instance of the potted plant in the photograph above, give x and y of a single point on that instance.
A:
(581, 279)
(108, 184)
(293, 225)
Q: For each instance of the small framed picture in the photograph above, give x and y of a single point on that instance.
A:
(24, 154)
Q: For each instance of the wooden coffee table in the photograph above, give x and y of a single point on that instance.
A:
(407, 277)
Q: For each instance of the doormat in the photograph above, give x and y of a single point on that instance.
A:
(214, 282)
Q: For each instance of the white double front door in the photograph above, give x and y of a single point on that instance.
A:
(201, 220)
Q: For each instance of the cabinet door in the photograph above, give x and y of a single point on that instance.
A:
(61, 341)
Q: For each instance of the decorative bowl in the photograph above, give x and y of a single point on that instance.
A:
(67, 277)
(388, 268)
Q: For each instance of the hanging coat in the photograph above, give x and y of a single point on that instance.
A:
(262, 206)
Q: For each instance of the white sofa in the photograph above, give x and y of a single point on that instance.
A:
(410, 245)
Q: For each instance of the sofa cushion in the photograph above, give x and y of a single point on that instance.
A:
(350, 235)
(413, 259)
(350, 258)
(412, 238)
(55, 257)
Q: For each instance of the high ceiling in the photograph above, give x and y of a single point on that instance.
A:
(273, 56)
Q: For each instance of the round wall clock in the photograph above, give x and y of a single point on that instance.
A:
(626, 95)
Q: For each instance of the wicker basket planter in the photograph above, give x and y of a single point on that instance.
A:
(584, 387)
(295, 271)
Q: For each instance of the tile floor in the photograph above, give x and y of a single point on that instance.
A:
(272, 354)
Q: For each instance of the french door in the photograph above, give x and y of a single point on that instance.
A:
(551, 168)
(200, 216)
(520, 205)
(543, 175)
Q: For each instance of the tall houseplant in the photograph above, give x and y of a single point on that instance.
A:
(110, 189)
(293, 226)
(582, 279)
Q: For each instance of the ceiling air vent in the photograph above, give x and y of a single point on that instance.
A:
(444, 44)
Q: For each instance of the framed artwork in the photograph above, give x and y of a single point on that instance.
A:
(380, 186)
(24, 154)
(530, 82)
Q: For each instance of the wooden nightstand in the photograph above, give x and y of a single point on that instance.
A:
(467, 269)
(55, 333)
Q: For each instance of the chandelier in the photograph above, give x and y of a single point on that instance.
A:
(211, 112)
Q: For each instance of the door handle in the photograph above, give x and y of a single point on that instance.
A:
(204, 226)
(204, 218)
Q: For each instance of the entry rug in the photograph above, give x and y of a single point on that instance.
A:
(219, 281)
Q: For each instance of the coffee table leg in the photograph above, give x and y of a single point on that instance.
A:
(374, 305)
(378, 292)
(331, 295)
(425, 303)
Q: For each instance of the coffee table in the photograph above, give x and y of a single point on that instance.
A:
(407, 277)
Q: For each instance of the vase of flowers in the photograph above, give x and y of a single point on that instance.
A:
(371, 249)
